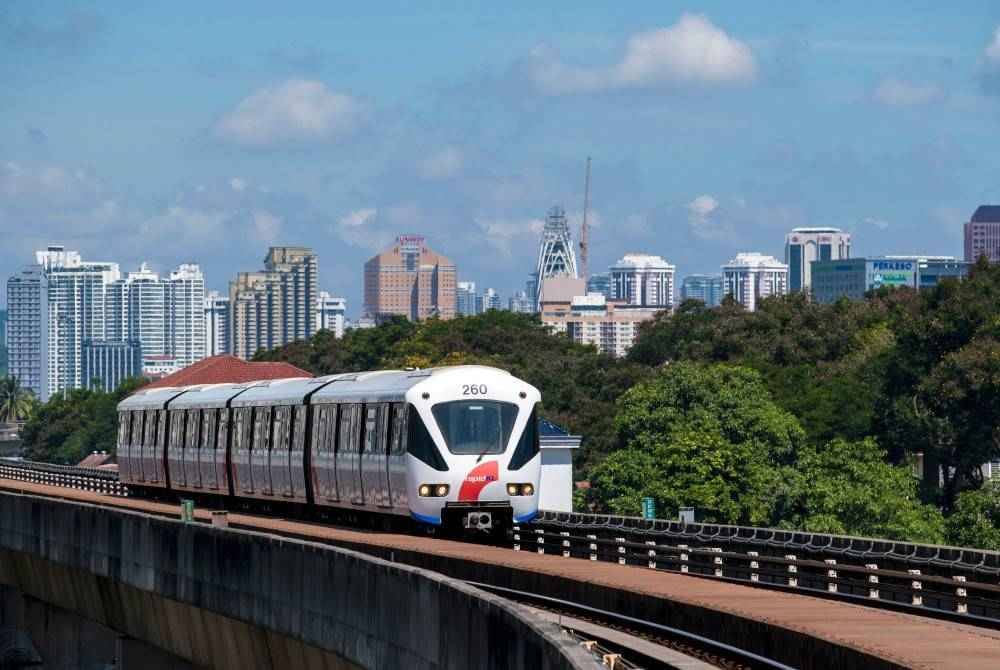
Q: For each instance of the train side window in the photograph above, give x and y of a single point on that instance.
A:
(420, 444)
(371, 442)
(262, 428)
(397, 428)
(348, 436)
(193, 423)
(162, 428)
(151, 416)
(208, 429)
(222, 435)
(319, 441)
(299, 429)
(176, 428)
(136, 428)
(527, 446)
(282, 428)
(122, 430)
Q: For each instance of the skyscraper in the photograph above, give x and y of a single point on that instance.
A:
(707, 288)
(27, 330)
(556, 257)
(982, 234)
(77, 311)
(490, 299)
(599, 282)
(107, 364)
(166, 316)
(521, 302)
(641, 280)
(466, 298)
(216, 324)
(330, 314)
(751, 277)
(805, 245)
(411, 280)
(276, 305)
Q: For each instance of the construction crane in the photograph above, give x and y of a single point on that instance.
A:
(585, 229)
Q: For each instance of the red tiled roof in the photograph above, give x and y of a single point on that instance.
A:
(228, 370)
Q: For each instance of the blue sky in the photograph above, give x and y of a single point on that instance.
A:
(176, 132)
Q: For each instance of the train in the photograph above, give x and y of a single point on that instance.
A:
(453, 448)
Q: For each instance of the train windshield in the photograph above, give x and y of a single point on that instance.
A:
(475, 426)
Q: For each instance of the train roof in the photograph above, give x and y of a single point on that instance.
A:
(376, 386)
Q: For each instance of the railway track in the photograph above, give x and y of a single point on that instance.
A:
(954, 584)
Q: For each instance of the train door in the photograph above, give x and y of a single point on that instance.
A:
(374, 468)
(192, 445)
(396, 463)
(175, 449)
(158, 450)
(135, 443)
(324, 447)
(141, 469)
(222, 449)
(242, 480)
(206, 454)
(297, 454)
(260, 451)
(124, 446)
(348, 457)
(280, 447)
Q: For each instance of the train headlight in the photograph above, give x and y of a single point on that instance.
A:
(433, 490)
(513, 489)
(527, 490)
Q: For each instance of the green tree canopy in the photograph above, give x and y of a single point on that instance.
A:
(702, 436)
(975, 521)
(16, 402)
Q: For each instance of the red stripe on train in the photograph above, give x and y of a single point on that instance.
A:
(477, 479)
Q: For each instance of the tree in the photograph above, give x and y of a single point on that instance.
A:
(16, 402)
(849, 488)
(67, 428)
(975, 520)
(707, 436)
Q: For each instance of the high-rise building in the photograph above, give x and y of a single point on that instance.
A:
(751, 277)
(805, 245)
(276, 305)
(708, 288)
(77, 311)
(556, 257)
(165, 315)
(107, 364)
(643, 281)
(27, 330)
(3, 341)
(591, 319)
(490, 299)
(216, 324)
(599, 282)
(853, 277)
(522, 303)
(330, 314)
(982, 234)
(466, 298)
(411, 280)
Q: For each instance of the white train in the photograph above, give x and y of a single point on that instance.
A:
(454, 447)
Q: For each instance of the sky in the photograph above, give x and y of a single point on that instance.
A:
(206, 132)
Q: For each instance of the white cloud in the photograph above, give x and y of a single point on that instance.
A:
(298, 110)
(442, 164)
(989, 70)
(692, 51)
(876, 222)
(266, 226)
(358, 217)
(237, 184)
(899, 93)
(703, 205)
(500, 234)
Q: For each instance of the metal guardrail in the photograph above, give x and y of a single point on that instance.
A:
(66, 476)
(783, 541)
(955, 597)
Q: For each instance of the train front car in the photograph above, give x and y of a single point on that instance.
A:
(473, 444)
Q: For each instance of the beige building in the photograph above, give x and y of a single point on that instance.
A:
(276, 305)
(590, 318)
(411, 280)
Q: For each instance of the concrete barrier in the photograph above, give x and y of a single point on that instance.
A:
(232, 598)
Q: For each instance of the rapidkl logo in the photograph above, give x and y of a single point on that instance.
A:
(477, 479)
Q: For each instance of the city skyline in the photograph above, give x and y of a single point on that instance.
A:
(872, 126)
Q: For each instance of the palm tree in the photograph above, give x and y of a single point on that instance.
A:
(16, 402)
